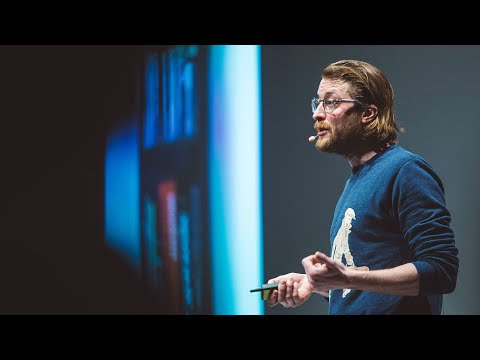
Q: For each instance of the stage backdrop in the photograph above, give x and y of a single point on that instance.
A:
(436, 101)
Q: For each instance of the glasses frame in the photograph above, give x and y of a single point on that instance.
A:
(316, 100)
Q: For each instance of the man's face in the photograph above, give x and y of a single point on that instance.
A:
(339, 131)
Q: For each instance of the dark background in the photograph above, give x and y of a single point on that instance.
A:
(56, 104)
(436, 101)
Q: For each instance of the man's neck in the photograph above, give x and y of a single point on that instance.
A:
(356, 160)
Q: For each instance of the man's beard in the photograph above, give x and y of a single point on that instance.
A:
(345, 140)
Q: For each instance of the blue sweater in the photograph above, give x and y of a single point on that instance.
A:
(392, 211)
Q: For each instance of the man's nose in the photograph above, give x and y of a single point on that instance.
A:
(319, 114)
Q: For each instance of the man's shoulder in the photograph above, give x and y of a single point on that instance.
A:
(411, 167)
(400, 156)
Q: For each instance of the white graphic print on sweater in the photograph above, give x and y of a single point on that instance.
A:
(340, 244)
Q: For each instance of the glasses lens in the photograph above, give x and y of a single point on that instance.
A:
(329, 105)
(314, 104)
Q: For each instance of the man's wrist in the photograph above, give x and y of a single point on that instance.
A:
(324, 293)
(356, 278)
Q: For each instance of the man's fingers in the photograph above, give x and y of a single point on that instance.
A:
(295, 290)
(281, 292)
(272, 301)
(289, 293)
(319, 256)
(296, 298)
(324, 259)
(309, 261)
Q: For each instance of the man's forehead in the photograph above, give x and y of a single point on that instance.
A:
(327, 85)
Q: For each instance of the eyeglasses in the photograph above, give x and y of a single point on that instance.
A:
(329, 105)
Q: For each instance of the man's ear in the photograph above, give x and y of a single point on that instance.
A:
(369, 114)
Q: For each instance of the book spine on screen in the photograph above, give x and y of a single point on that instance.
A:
(168, 230)
(178, 106)
(153, 259)
(197, 248)
(151, 130)
(185, 255)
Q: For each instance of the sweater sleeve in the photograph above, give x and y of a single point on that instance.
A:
(418, 198)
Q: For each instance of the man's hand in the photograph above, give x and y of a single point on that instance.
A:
(293, 290)
(325, 273)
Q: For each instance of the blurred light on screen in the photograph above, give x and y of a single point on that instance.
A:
(122, 215)
(234, 156)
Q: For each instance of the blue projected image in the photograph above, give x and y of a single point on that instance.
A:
(183, 194)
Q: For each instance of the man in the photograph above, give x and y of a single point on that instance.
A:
(393, 251)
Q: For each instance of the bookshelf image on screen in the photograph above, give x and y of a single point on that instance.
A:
(175, 252)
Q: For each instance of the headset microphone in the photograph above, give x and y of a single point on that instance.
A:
(312, 138)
